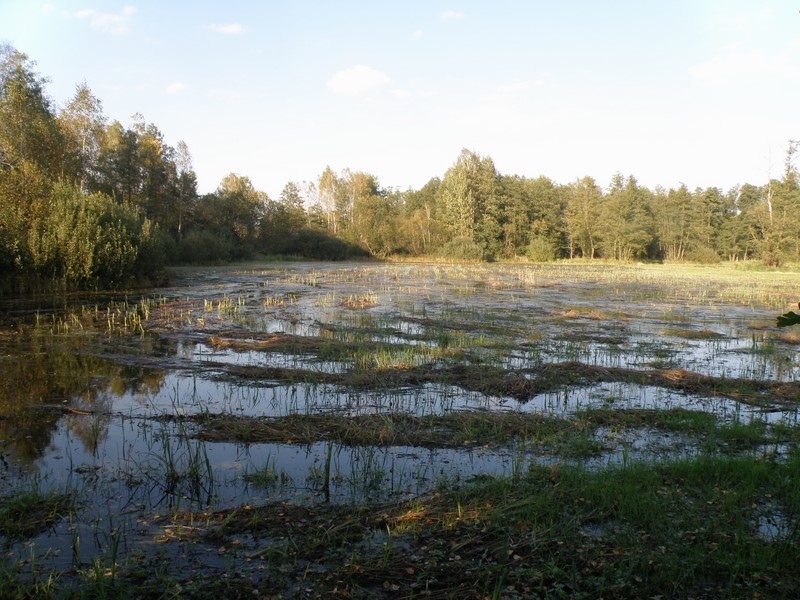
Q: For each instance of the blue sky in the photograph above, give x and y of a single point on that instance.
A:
(700, 92)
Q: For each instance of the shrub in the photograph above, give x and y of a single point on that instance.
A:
(703, 255)
(203, 246)
(319, 245)
(540, 249)
(462, 248)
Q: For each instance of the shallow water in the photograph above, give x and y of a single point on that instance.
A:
(90, 406)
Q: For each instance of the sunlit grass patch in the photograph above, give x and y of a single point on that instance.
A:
(693, 334)
(698, 527)
(676, 419)
(588, 312)
(361, 301)
(788, 335)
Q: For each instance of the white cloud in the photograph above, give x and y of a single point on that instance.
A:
(229, 28)
(47, 8)
(744, 67)
(358, 80)
(451, 15)
(417, 35)
(115, 24)
(176, 88)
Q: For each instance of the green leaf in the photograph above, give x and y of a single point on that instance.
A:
(790, 318)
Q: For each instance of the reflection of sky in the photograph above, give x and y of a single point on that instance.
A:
(118, 457)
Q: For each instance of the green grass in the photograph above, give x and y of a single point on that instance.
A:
(29, 513)
(691, 528)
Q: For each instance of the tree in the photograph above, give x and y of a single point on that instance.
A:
(773, 216)
(546, 203)
(235, 210)
(582, 217)
(469, 203)
(626, 221)
(291, 199)
(673, 211)
(423, 231)
(82, 124)
(118, 171)
(31, 149)
(328, 189)
(29, 131)
(732, 239)
(186, 185)
(516, 219)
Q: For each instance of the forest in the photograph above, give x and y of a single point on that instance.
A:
(87, 202)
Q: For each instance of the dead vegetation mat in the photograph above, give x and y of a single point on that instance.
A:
(524, 384)
(453, 430)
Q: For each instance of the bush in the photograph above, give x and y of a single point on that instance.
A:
(203, 246)
(462, 248)
(540, 249)
(319, 245)
(85, 241)
(703, 255)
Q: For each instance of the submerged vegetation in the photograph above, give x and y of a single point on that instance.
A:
(404, 430)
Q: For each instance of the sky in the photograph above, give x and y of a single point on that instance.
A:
(696, 92)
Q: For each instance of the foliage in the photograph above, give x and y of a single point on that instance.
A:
(473, 212)
(540, 249)
(462, 248)
(788, 319)
(205, 247)
(319, 245)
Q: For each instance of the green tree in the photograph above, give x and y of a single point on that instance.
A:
(29, 131)
(186, 186)
(732, 237)
(234, 211)
(291, 199)
(627, 227)
(582, 217)
(516, 219)
(673, 213)
(470, 204)
(546, 204)
(456, 199)
(118, 174)
(773, 215)
(328, 186)
(423, 232)
(82, 124)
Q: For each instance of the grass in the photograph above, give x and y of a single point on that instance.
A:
(24, 515)
(452, 430)
(692, 528)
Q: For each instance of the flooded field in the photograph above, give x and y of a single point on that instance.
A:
(133, 426)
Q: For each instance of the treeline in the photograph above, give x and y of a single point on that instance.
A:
(474, 212)
(85, 202)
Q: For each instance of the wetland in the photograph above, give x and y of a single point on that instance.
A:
(362, 430)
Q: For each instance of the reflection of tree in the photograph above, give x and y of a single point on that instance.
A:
(42, 374)
(90, 423)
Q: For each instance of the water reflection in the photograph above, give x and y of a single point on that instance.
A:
(46, 378)
(99, 413)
